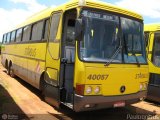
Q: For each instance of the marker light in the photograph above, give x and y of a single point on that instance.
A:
(82, 2)
(97, 90)
(88, 89)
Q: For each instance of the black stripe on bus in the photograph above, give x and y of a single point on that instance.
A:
(33, 42)
(27, 42)
(25, 57)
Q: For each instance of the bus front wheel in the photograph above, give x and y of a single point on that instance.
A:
(43, 86)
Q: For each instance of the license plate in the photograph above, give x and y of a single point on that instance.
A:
(119, 104)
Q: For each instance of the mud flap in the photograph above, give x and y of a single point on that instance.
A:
(51, 95)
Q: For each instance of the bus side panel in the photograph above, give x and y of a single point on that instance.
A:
(36, 63)
(28, 60)
(20, 66)
(51, 74)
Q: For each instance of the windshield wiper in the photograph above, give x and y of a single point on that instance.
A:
(113, 56)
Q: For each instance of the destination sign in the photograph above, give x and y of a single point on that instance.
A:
(104, 16)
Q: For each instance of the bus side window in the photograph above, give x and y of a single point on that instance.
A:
(70, 42)
(37, 29)
(146, 37)
(70, 33)
(19, 35)
(26, 33)
(3, 38)
(54, 26)
(8, 37)
(45, 31)
(13, 35)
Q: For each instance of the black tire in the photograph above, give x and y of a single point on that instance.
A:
(8, 71)
(43, 86)
(11, 71)
(7, 67)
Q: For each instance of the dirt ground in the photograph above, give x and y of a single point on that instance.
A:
(19, 100)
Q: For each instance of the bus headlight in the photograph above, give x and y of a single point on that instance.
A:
(97, 89)
(88, 89)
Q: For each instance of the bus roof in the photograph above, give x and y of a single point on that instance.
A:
(75, 3)
(152, 27)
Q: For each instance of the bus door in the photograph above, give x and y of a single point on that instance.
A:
(51, 77)
(68, 58)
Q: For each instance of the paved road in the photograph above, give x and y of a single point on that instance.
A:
(19, 100)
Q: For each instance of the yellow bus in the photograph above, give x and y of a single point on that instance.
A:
(152, 37)
(84, 54)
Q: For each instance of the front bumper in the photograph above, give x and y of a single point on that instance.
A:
(100, 102)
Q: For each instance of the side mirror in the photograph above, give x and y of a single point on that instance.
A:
(79, 31)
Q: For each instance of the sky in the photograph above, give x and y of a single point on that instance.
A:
(13, 12)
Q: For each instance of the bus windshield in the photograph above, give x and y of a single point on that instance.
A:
(101, 39)
(133, 41)
(156, 50)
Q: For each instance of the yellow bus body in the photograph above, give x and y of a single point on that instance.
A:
(154, 70)
(36, 61)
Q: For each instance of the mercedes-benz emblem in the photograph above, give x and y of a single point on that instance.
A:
(122, 89)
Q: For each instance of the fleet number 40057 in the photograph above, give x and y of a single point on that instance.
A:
(97, 77)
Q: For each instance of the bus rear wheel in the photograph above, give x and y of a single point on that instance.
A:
(7, 67)
(11, 71)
